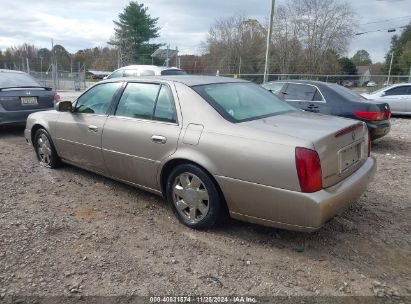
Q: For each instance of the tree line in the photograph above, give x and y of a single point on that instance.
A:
(309, 37)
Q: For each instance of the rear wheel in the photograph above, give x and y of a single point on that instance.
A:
(46, 153)
(194, 197)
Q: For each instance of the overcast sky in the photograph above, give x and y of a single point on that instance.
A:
(79, 24)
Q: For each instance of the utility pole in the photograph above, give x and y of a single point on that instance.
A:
(389, 72)
(27, 66)
(41, 69)
(267, 53)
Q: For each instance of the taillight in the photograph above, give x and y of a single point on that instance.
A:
(388, 114)
(56, 98)
(371, 115)
(308, 169)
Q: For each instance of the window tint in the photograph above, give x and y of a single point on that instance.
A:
(274, 87)
(165, 110)
(300, 92)
(97, 100)
(173, 72)
(138, 100)
(242, 101)
(402, 90)
(10, 79)
(116, 74)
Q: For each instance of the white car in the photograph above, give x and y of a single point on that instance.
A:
(398, 96)
(144, 70)
(371, 84)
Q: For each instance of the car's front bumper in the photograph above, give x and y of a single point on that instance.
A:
(294, 210)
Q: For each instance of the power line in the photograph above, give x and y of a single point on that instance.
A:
(389, 30)
(385, 20)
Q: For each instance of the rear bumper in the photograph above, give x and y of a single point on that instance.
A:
(17, 117)
(378, 130)
(291, 209)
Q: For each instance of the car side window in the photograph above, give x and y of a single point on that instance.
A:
(138, 100)
(318, 96)
(98, 99)
(116, 74)
(402, 90)
(165, 110)
(300, 92)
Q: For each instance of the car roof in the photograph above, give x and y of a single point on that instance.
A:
(188, 80)
(151, 67)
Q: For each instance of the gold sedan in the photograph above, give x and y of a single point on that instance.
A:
(213, 147)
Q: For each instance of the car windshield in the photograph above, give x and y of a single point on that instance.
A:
(173, 72)
(10, 79)
(239, 102)
(347, 93)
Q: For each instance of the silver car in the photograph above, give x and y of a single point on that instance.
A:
(398, 96)
(144, 70)
(212, 146)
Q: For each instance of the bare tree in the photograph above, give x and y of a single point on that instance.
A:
(321, 27)
(235, 45)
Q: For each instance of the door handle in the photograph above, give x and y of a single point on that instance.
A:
(92, 128)
(311, 106)
(158, 139)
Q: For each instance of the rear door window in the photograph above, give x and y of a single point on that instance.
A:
(402, 90)
(138, 100)
(300, 92)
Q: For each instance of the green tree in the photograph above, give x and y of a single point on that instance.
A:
(398, 47)
(132, 33)
(347, 66)
(361, 57)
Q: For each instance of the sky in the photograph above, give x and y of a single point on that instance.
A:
(80, 24)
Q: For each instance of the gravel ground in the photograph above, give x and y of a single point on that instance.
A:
(68, 231)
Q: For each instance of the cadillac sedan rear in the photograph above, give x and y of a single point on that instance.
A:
(21, 95)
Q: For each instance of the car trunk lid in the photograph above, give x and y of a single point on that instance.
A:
(17, 99)
(342, 144)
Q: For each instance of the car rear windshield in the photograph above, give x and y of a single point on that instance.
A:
(11, 80)
(239, 102)
(347, 93)
(173, 72)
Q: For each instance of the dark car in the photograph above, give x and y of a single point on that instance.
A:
(333, 99)
(21, 95)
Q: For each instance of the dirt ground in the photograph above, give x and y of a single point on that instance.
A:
(68, 231)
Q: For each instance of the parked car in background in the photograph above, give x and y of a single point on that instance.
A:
(144, 70)
(348, 83)
(211, 145)
(21, 95)
(333, 99)
(371, 84)
(398, 96)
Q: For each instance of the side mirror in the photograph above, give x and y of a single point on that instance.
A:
(64, 106)
(383, 94)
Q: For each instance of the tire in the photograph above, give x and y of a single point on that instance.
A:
(194, 197)
(45, 150)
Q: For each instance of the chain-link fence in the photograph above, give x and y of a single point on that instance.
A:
(48, 74)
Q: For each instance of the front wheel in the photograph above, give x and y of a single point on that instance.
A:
(46, 153)
(194, 197)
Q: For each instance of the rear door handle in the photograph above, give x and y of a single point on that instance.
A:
(92, 128)
(158, 139)
(312, 106)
